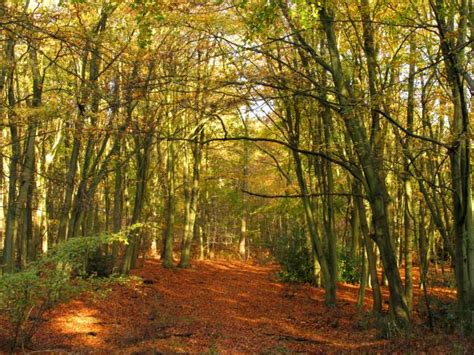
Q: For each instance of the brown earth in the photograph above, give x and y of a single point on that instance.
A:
(226, 307)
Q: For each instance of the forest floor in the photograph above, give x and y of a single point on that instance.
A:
(226, 307)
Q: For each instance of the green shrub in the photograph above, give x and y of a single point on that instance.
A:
(295, 258)
(65, 271)
(349, 267)
(26, 296)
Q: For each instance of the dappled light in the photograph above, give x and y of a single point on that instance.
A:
(81, 324)
(231, 307)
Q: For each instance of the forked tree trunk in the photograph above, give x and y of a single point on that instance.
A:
(369, 247)
(376, 186)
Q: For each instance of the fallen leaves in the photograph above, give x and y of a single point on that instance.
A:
(225, 307)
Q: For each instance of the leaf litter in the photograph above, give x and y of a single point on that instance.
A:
(229, 307)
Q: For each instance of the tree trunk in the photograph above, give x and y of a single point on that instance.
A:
(375, 183)
(134, 238)
(461, 175)
(244, 211)
(190, 220)
(329, 281)
(369, 246)
(168, 238)
(407, 189)
(11, 218)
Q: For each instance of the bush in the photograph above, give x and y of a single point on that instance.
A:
(349, 267)
(295, 258)
(27, 295)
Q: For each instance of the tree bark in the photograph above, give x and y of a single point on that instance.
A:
(461, 175)
(374, 180)
(190, 220)
(168, 237)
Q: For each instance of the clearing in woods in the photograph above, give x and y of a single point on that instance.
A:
(223, 307)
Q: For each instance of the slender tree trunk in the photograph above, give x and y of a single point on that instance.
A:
(369, 246)
(362, 281)
(190, 220)
(42, 214)
(118, 207)
(69, 189)
(205, 230)
(328, 200)
(143, 158)
(244, 211)
(168, 239)
(12, 214)
(328, 279)
(407, 189)
(25, 194)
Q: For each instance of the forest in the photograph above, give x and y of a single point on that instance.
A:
(236, 176)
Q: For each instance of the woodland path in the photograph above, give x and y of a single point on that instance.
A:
(216, 307)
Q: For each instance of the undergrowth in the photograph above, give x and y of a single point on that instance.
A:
(295, 258)
(64, 272)
(349, 266)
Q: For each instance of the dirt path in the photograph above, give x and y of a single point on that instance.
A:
(216, 307)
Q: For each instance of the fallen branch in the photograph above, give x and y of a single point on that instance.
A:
(289, 337)
(178, 335)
